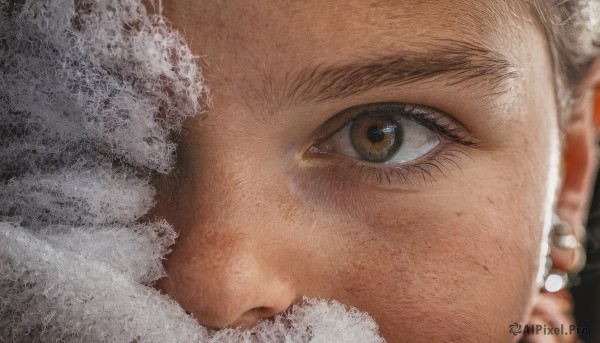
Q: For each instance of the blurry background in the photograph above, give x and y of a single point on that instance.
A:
(586, 293)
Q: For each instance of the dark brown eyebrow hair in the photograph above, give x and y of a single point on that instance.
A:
(458, 62)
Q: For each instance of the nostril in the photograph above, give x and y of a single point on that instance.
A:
(264, 311)
(251, 317)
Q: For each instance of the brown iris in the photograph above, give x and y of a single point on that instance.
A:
(376, 138)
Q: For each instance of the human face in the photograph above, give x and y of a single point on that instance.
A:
(443, 240)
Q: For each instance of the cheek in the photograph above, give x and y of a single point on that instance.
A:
(445, 259)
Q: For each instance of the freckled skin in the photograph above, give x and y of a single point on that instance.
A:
(260, 225)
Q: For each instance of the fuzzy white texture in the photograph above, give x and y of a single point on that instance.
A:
(89, 98)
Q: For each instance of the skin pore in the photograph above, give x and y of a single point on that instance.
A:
(443, 246)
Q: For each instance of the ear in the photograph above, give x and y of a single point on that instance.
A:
(579, 162)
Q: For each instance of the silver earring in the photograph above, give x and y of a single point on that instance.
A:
(561, 237)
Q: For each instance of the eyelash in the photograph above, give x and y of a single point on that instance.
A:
(453, 136)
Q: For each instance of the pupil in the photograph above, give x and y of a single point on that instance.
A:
(375, 135)
(376, 138)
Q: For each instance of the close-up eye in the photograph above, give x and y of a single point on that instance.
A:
(389, 133)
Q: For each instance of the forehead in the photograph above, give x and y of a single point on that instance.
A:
(254, 39)
(329, 27)
(253, 50)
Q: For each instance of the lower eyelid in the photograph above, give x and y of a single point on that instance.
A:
(443, 162)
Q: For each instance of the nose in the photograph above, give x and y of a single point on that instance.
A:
(224, 283)
(229, 266)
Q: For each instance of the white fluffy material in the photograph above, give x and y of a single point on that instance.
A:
(89, 99)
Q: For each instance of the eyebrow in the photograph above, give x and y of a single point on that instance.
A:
(459, 63)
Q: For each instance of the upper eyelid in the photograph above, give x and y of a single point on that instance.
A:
(452, 130)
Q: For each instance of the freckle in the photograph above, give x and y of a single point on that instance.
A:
(458, 214)
(486, 268)
(490, 200)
